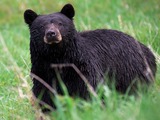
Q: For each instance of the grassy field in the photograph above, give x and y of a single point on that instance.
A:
(138, 18)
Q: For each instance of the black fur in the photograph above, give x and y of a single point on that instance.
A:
(95, 53)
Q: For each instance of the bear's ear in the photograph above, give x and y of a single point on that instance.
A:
(30, 16)
(68, 11)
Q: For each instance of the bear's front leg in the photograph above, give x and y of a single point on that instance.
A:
(43, 95)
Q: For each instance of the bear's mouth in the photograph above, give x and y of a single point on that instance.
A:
(52, 40)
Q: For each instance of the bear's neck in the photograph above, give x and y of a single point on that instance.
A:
(70, 49)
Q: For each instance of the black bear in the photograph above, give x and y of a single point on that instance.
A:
(54, 40)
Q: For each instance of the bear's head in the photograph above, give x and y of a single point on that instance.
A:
(52, 28)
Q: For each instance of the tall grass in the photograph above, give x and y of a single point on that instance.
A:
(138, 18)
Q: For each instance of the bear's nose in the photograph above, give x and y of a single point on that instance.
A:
(50, 34)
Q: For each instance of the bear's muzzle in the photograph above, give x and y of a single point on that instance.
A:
(52, 35)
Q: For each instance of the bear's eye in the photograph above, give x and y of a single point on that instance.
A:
(60, 24)
(41, 27)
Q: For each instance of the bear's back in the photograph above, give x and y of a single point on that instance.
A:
(118, 53)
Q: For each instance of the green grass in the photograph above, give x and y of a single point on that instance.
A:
(138, 18)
